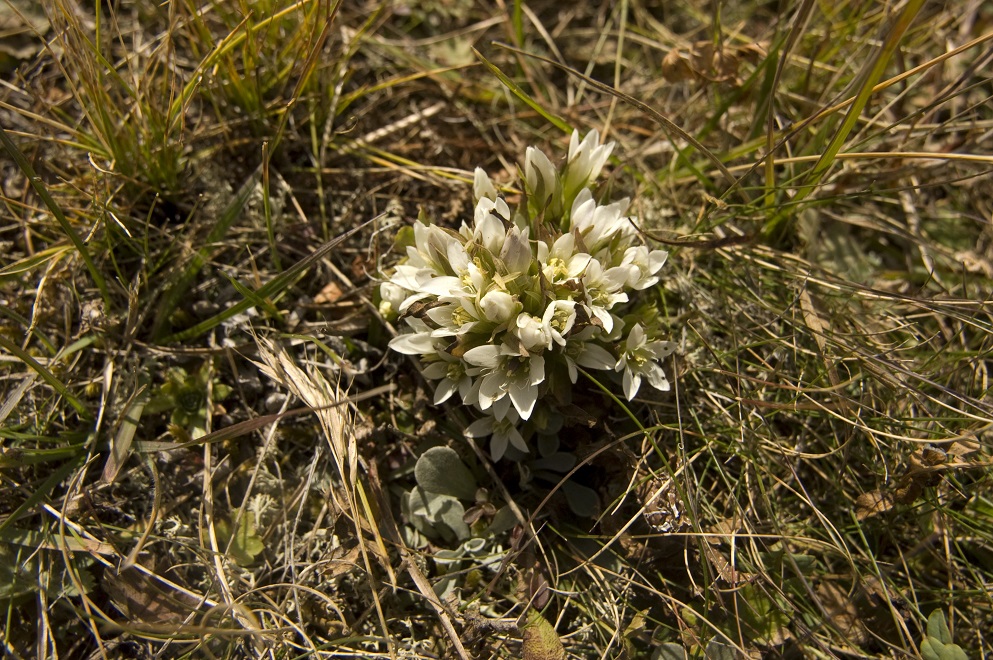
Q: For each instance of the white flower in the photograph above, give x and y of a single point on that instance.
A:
(430, 249)
(452, 374)
(516, 253)
(643, 266)
(603, 291)
(561, 262)
(425, 280)
(457, 317)
(482, 186)
(504, 372)
(534, 334)
(541, 180)
(598, 224)
(488, 224)
(587, 354)
(585, 161)
(558, 319)
(504, 433)
(498, 306)
(391, 297)
(418, 342)
(638, 359)
(516, 294)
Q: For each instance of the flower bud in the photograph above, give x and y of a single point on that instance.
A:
(498, 306)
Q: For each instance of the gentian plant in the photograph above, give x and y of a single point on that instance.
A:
(506, 311)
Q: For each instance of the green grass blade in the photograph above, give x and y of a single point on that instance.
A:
(777, 226)
(42, 192)
(46, 375)
(178, 291)
(47, 486)
(557, 121)
(274, 286)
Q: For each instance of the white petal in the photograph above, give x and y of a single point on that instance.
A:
(661, 349)
(498, 306)
(435, 370)
(413, 344)
(573, 372)
(632, 382)
(564, 246)
(501, 409)
(636, 338)
(595, 356)
(656, 377)
(583, 208)
(482, 186)
(491, 388)
(490, 232)
(516, 252)
(444, 390)
(537, 372)
(517, 439)
(605, 318)
(483, 356)
(577, 264)
(498, 446)
(442, 286)
(524, 397)
(480, 428)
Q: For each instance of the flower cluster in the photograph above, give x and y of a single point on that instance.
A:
(506, 310)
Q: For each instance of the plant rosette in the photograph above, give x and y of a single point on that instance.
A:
(508, 309)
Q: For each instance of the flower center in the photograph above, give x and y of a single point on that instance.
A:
(515, 365)
(460, 317)
(559, 269)
(455, 371)
(560, 319)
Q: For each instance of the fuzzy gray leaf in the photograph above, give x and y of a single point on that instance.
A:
(440, 470)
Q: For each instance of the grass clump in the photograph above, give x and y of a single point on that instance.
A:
(207, 447)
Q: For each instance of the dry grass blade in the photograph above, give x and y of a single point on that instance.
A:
(321, 396)
(666, 123)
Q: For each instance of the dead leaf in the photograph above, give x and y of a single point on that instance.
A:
(329, 294)
(342, 562)
(924, 470)
(664, 510)
(675, 68)
(871, 504)
(724, 568)
(143, 600)
(842, 612)
(705, 62)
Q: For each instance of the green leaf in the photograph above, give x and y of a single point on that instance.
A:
(541, 642)
(938, 644)
(582, 500)
(764, 616)
(434, 515)
(504, 519)
(669, 651)
(440, 470)
(937, 627)
(720, 651)
(246, 544)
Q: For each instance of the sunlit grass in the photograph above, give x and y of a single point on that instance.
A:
(186, 199)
